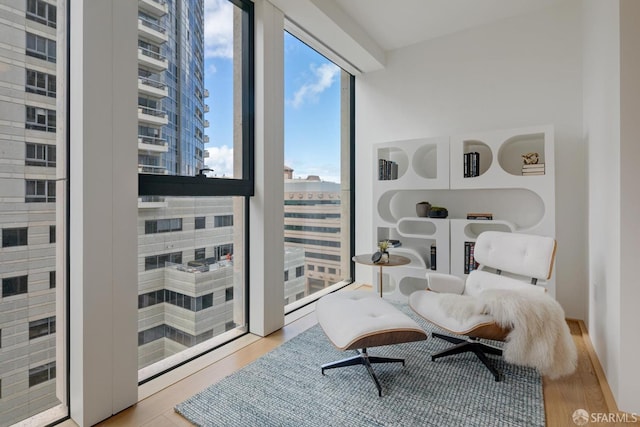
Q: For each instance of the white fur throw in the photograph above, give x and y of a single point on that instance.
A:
(539, 336)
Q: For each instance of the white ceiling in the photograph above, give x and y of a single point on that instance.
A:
(397, 23)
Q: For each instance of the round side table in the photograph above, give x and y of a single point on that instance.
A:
(394, 261)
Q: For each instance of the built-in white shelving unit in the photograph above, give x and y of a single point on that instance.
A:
(432, 169)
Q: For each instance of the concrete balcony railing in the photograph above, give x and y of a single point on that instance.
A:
(149, 143)
(206, 123)
(205, 139)
(206, 108)
(152, 116)
(156, 8)
(152, 169)
(206, 93)
(152, 31)
(152, 202)
(153, 88)
(152, 60)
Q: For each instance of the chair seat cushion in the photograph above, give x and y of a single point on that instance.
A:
(361, 319)
(429, 305)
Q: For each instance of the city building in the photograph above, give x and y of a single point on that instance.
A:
(27, 209)
(313, 219)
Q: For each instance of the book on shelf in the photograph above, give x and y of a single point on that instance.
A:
(387, 170)
(534, 169)
(433, 254)
(470, 263)
(393, 243)
(471, 164)
(480, 215)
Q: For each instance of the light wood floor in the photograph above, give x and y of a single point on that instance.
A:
(586, 389)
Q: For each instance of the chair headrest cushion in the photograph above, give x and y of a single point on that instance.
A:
(523, 254)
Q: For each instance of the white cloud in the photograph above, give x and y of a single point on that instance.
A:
(218, 29)
(220, 160)
(323, 78)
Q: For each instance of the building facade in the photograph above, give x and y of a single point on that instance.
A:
(27, 208)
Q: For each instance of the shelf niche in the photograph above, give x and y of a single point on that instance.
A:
(486, 156)
(425, 161)
(396, 155)
(511, 151)
(473, 229)
(521, 206)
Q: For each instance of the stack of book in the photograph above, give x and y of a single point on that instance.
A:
(387, 169)
(470, 263)
(535, 169)
(480, 215)
(471, 164)
(433, 254)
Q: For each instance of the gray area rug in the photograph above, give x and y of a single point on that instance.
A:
(286, 388)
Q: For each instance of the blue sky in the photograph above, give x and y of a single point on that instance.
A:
(312, 102)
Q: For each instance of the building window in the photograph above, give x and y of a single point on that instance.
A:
(14, 286)
(162, 225)
(300, 271)
(40, 119)
(39, 191)
(299, 295)
(42, 327)
(228, 294)
(312, 242)
(158, 261)
(311, 267)
(286, 275)
(42, 12)
(199, 254)
(14, 237)
(223, 252)
(320, 269)
(200, 222)
(52, 279)
(229, 325)
(223, 221)
(41, 47)
(40, 83)
(52, 234)
(332, 270)
(40, 155)
(42, 373)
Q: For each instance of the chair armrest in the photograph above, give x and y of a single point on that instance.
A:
(445, 283)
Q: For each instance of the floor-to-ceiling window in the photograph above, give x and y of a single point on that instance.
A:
(317, 173)
(32, 187)
(195, 164)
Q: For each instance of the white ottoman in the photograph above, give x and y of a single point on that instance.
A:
(355, 320)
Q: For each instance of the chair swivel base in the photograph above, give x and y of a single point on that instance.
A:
(362, 358)
(470, 345)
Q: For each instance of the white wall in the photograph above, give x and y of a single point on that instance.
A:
(602, 128)
(612, 102)
(517, 72)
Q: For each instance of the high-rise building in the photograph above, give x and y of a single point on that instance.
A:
(170, 141)
(171, 87)
(27, 209)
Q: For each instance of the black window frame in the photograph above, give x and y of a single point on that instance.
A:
(47, 195)
(200, 222)
(201, 186)
(16, 285)
(40, 83)
(20, 239)
(46, 54)
(49, 17)
(37, 154)
(44, 119)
